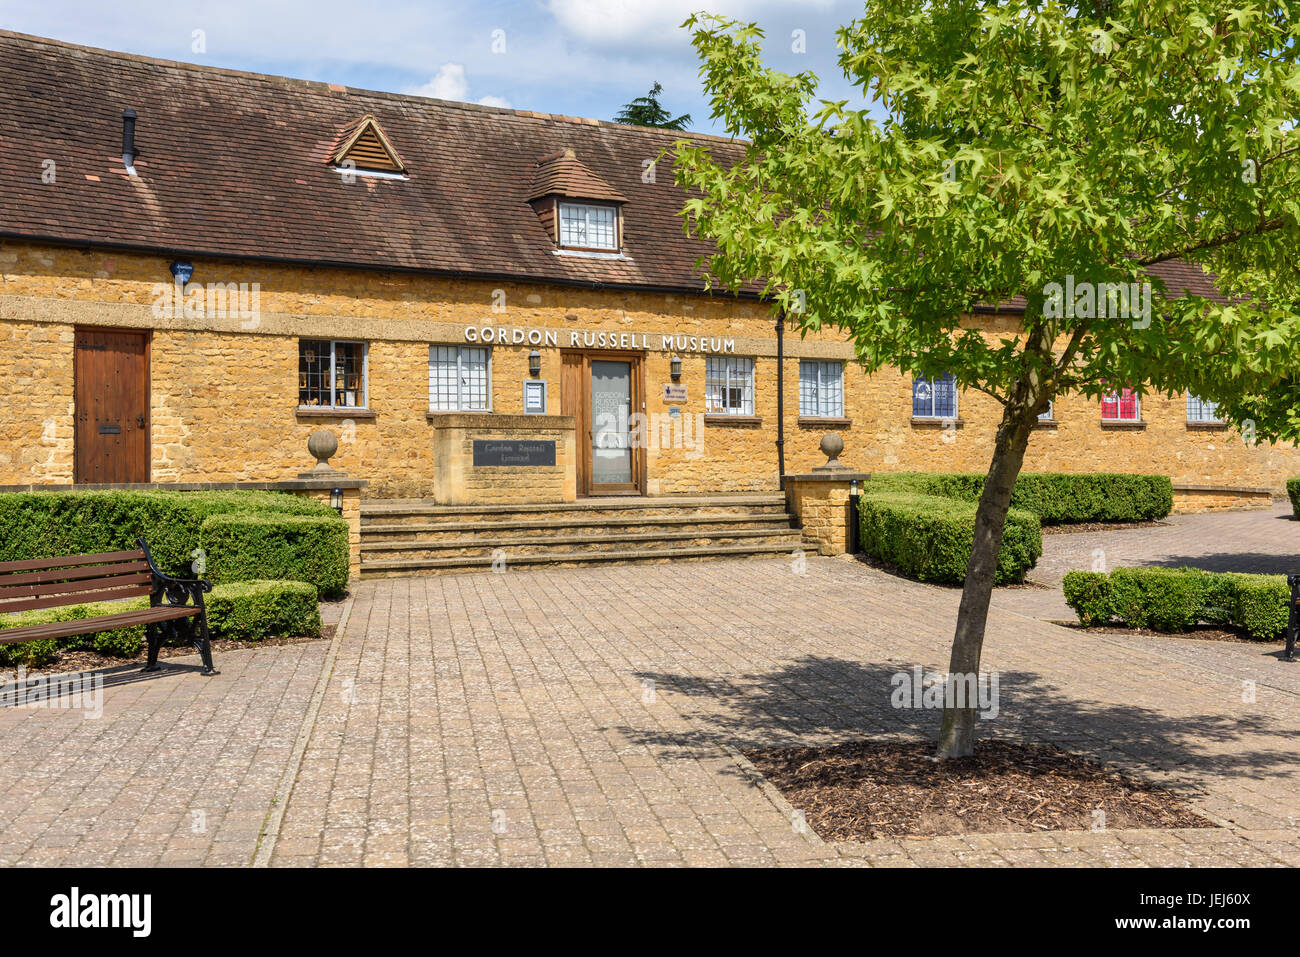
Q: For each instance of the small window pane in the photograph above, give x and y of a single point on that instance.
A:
(1201, 410)
(729, 385)
(314, 373)
(1046, 414)
(934, 398)
(588, 227)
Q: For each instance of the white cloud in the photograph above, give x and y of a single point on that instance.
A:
(451, 83)
(500, 101)
(656, 22)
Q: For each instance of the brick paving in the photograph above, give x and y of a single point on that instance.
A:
(591, 716)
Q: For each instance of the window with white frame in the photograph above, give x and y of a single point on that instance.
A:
(821, 389)
(460, 379)
(1121, 406)
(1046, 414)
(934, 398)
(1202, 410)
(332, 374)
(585, 226)
(729, 385)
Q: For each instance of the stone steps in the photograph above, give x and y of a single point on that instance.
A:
(420, 537)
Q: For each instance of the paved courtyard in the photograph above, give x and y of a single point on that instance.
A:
(593, 716)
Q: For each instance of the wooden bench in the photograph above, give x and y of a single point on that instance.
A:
(175, 611)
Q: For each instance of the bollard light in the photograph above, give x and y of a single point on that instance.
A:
(336, 500)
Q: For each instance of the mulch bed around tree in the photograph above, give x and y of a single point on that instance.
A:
(1098, 527)
(873, 789)
(68, 661)
(1200, 632)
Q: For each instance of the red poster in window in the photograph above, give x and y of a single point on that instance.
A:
(1121, 406)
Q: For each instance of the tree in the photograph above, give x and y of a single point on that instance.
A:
(646, 111)
(1028, 147)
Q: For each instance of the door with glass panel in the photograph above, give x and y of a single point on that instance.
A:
(603, 392)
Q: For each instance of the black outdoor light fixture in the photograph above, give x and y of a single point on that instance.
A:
(534, 363)
(336, 500)
(675, 366)
(181, 272)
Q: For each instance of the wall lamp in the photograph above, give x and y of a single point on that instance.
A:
(675, 366)
(534, 363)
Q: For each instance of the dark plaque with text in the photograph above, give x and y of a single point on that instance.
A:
(513, 452)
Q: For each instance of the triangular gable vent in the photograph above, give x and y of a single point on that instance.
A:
(368, 147)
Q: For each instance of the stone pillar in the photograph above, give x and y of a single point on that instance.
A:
(819, 499)
(320, 483)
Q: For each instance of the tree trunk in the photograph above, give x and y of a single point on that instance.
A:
(957, 733)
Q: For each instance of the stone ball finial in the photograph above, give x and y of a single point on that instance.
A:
(322, 444)
(832, 445)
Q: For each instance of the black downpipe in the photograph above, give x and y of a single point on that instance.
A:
(780, 397)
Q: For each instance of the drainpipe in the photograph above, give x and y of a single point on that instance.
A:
(780, 396)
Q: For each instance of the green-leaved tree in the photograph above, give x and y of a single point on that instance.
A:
(648, 111)
(1028, 148)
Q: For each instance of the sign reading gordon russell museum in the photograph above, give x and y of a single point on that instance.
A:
(577, 339)
(513, 452)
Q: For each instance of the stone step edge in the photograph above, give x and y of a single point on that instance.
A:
(588, 505)
(549, 558)
(579, 539)
(772, 518)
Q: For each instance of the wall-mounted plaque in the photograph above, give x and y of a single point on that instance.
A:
(535, 397)
(674, 393)
(515, 453)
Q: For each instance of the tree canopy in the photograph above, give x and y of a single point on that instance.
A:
(647, 111)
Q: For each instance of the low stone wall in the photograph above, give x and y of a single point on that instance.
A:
(820, 502)
(1209, 498)
(458, 481)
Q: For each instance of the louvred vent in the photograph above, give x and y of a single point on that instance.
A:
(365, 144)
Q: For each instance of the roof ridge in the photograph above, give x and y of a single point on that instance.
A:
(338, 88)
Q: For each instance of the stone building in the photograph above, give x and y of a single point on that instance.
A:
(488, 307)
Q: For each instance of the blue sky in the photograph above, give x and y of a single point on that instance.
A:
(578, 57)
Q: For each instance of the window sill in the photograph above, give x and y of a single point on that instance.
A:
(333, 413)
(1046, 423)
(927, 422)
(435, 414)
(824, 421)
(1204, 425)
(1133, 425)
(740, 421)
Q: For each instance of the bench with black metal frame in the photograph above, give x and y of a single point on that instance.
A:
(176, 610)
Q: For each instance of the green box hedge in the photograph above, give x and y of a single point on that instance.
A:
(243, 611)
(1293, 492)
(930, 538)
(1175, 599)
(175, 524)
(249, 546)
(253, 610)
(1057, 498)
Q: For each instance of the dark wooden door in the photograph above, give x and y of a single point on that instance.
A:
(112, 403)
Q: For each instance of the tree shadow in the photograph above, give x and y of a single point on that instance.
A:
(1258, 563)
(822, 700)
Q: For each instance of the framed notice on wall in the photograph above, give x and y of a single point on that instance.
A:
(535, 397)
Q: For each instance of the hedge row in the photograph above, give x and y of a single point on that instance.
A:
(242, 534)
(1293, 490)
(930, 538)
(244, 611)
(1057, 498)
(1175, 599)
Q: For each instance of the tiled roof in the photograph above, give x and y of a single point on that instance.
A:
(238, 165)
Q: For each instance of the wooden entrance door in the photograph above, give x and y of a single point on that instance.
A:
(111, 370)
(603, 391)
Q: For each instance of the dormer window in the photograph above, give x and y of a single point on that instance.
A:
(364, 149)
(579, 210)
(588, 226)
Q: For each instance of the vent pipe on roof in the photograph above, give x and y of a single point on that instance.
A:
(129, 152)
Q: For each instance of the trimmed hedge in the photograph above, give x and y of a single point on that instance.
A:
(1057, 498)
(1175, 599)
(250, 547)
(930, 538)
(1293, 491)
(43, 524)
(245, 611)
(253, 610)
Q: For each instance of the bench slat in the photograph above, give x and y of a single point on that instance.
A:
(65, 561)
(8, 592)
(65, 629)
(80, 598)
(73, 574)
